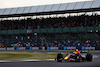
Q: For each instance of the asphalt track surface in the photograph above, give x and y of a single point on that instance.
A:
(94, 63)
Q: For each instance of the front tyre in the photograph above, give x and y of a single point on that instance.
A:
(59, 57)
(89, 57)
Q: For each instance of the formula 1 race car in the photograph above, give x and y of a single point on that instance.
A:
(74, 57)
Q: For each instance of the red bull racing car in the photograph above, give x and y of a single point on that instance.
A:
(74, 57)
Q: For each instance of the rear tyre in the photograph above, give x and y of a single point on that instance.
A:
(59, 57)
(89, 57)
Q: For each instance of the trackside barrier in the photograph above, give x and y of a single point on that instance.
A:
(97, 47)
(65, 47)
(43, 48)
(48, 48)
(83, 48)
(22, 48)
(17, 48)
(71, 48)
(61, 47)
(10, 48)
(30, 48)
(2, 48)
(90, 48)
(79, 47)
(53, 48)
(34, 48)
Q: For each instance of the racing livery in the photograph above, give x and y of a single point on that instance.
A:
(74, 57)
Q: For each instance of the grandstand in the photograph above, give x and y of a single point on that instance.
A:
(69, 24)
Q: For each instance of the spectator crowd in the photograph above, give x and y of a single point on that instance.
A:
(68, 43)
(51, 22)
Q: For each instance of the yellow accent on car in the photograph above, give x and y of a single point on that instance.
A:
(66, 58)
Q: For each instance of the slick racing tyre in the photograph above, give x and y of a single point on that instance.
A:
(89, 57)
(59, 57)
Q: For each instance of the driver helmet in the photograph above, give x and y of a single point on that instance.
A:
(76, 50)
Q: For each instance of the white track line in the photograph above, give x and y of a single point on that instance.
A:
(34, 60)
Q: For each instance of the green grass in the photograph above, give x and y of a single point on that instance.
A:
(6, 55)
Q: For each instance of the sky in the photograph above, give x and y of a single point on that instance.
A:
(23, 3)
